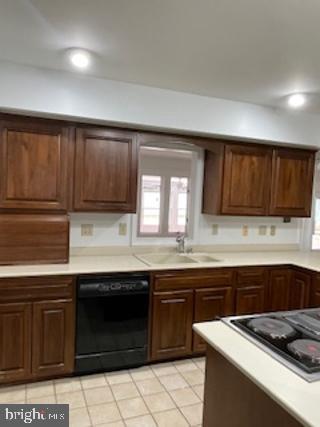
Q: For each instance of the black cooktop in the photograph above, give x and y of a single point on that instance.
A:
(293, 336)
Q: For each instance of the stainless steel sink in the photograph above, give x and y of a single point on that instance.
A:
(174, 258)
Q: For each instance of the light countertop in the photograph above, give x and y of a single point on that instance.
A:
(297, 396)
(127, 263)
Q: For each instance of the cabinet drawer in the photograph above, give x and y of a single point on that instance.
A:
(35, 288)
(192, 279)
(251, 275)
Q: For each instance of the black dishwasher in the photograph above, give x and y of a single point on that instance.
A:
(112, 322)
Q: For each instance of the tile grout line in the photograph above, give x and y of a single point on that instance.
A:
(134, 381)
(114, 397)
(86, 402)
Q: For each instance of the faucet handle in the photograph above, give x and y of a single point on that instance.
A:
(179, 237)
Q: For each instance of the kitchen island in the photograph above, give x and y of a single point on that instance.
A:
(246, 387)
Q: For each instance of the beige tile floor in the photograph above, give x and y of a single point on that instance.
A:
(163, 395)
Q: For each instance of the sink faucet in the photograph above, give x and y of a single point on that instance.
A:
(180, 243)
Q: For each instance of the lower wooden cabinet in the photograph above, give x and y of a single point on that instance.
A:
(53, 337)
(299, 295)
(210, 304)
(250, 299)
(15, 341)
(37, 328)
(172, 324)
(250, 290)
(315, 291)
(182, 298)
(279, 289)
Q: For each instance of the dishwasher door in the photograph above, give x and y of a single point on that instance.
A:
(112, 324)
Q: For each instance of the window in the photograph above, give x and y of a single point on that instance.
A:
(150, 204)
(164, 193)
(316, 225)
(178, 204)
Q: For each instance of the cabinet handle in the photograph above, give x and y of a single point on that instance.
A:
(174, 301)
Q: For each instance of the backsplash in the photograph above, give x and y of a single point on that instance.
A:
(229, 231)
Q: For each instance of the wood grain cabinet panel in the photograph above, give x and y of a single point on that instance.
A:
(33, 164)
(292, 178)
(53, 338)
(250, 290)
(250, 299)
(172, 324)
(15, 341)
(315, 291)
(105, 170)
(37, 328)
(279, 289)
(299, 290)
(250, 179)
(211, 304)
(246, 181)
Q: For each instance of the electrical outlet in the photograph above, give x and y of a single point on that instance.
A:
(262, 230)
(245, 230)
(86, 230)
(214, 229)
(122, 229)
(273, 230)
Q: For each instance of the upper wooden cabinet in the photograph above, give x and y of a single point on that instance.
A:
(248, 179)
(292, 178)
(105, 170)
(33, 165)
(245, 186)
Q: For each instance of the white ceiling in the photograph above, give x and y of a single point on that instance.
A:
(249, 50)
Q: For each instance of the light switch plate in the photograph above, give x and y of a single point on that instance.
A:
(273, 230)
(122, 229)
(86, 230)
(245, 230)
(214, 229)
(262, 230)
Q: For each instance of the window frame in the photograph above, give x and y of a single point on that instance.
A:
(314, 200)
(165, 200)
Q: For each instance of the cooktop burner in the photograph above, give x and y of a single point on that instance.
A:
(291, 337)
(306, 349)
(272, 328)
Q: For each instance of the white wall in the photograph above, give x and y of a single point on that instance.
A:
(55, 93)
(28, 89)
(229, 231)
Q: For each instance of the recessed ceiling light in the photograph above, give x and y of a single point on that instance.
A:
(296, 100)
(80, 58)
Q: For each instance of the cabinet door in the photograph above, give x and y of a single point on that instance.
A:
(315, 291)
(105, 170)
(250, 299)
(279, 288)
(172, 324)
(210, 304)
(246, 181)
(33, 160)
(299, 290)
(53, 338)
(15, 342)
(292, 178)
